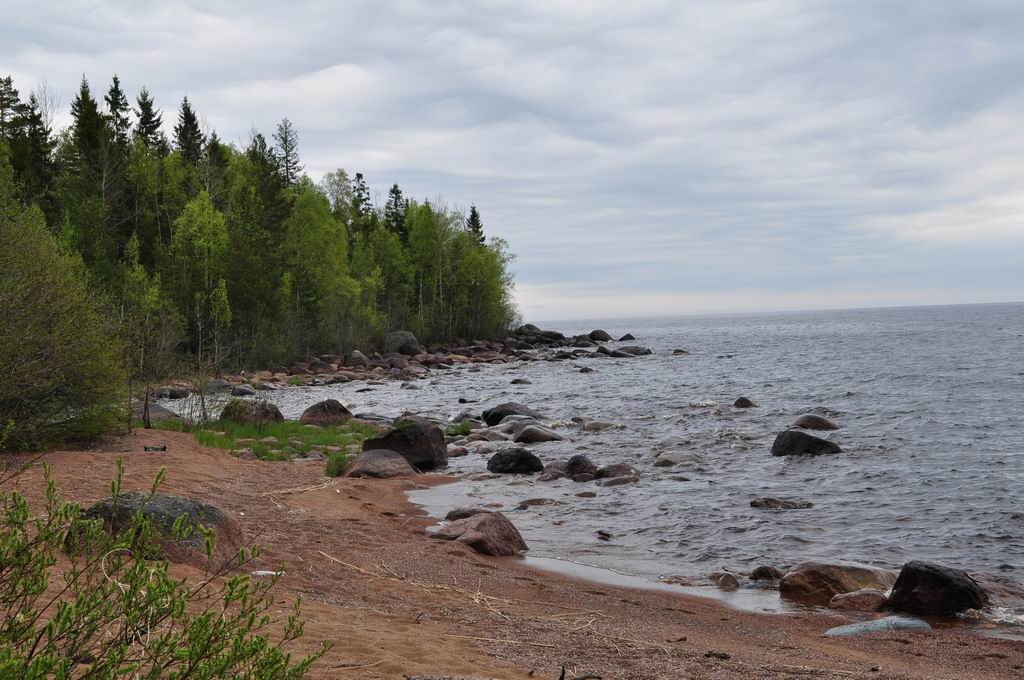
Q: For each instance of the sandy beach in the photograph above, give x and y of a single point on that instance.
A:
(398, 603)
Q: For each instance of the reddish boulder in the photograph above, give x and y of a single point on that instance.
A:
(488, 533)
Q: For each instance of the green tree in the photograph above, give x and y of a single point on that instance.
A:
(474, 225)
(338, 188)
(286, 140)
(11, 109)
(188, 137)
(117, 112)
(394, 213)
(149, 123)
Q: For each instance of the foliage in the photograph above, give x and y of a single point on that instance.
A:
(460, 429)
(233, 255)
(336, 464)
(60, 360)
(292, 437)
(81, 602)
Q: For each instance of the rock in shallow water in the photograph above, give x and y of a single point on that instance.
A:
(932, 589)
(797, 443)
(818, 582)
(812, 421)
(766, 573)
(781, 504)
(863, 600)
(380, 464)
(535, 434)
(488, 533)
(878, 626)
(515, 460)
(420, 441)
(578, 465)
(744, 402)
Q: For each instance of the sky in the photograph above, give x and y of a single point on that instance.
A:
(649, 157)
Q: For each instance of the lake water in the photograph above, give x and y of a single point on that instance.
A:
(931, 406)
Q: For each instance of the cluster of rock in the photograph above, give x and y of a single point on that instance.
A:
(920, 588)
(404, 358)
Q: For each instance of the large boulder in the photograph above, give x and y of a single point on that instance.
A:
(580, 465)
(934, 590)
(163, 511)
(402, 342)
(380, 464)
(797, 443)
(326, 412)
(863, 600)
(744, 402)
(356, 358)
(420, 442)
(535, 434)
(496, 414)
(251, 412)
(819, 582)
(515, 460)
(812, 421)
(488, 533)
(599, 336)
(633, 350)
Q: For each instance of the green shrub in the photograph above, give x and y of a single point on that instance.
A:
(60, 360)
(118, 614)
(336, 464)
(460, 429)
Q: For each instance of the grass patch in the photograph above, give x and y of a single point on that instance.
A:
(458, 429)
(336, 464)
(280, 441)
(295, 381)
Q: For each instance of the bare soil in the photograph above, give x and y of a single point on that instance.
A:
(397, 603)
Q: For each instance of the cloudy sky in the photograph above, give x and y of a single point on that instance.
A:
(641, 157)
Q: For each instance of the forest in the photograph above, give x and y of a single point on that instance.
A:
(234, 257)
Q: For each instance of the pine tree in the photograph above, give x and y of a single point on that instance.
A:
(188, 138)
(36, 166)
(12, 110)
(287, 149)
(394, 213)
(149, 123)
(474, 225)
(364, 217)
(117, 112)
(88, 129)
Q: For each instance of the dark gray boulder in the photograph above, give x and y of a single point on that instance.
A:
(326, 412)
(634, 350)
(251, 412)
(163, 510)
(616, 470)
(420, 442)
(798, 443)
(744, 402)
(628, 337)
(380, 464)
(931, 589)
(780, 504)
(535, 434)
(578, 465)
(516, 460)
(766, 573)
(401, 342)
(496, 414)
(599, 336)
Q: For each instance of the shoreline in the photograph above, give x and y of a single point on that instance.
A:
(401, 603)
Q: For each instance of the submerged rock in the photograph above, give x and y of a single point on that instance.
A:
(488, 533)
(580, 464)
(535, 434)
(797, 443)
(878, 626)
(934, 590)
(812, 421)
(462, 512)
(744, 402)
(516, 460)
(617, 470)
(780, 504)
(766, 573)
(818, 582)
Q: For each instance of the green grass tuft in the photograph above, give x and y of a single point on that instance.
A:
(458, 429)
(336, 464)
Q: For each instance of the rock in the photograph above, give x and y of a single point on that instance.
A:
(163, 510)
(402, 342)
(780, 504)
(727, 581)
(420, 441)
(218, 385)
(356, 358)
(586, 369)
(679, 352)
(326, 412)
(599, 426)
(812, 421)
(818, 582)
(633, 350)
(172, 392)
(531, 502)
(599, 336)
(934, 590)
(457, 451)
(487, 533)
(582, 477)
(515, 460)
(627, 337)
(863, 600)
(243, 391)
(464, 511)
(586, 494)
(521, 381)
(878, 626)
(251, 412)
(617, 470)
(578, 465)
(496, 414)
(552, 471)
(766, 573)
(665, 460)
(535, 434)
(380, 464)
(744, 402)
(797, 443)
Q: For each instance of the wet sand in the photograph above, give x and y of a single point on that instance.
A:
(399, 603)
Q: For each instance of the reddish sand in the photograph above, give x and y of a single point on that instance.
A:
(396, 602)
